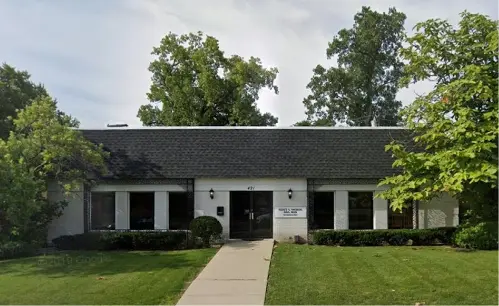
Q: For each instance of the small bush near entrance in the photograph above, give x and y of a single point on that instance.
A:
(170, 240)
(482, 236)
(384, 237)
(206, 228)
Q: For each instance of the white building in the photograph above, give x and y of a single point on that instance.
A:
(260, 182)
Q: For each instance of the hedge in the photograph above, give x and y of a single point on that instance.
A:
(14, 249)
(167, 240)
(433, 236)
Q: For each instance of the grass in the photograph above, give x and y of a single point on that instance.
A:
(301, 274)
(100, 277)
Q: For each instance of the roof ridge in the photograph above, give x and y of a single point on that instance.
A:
(248, 128)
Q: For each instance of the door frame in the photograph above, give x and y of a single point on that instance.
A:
(251, 213)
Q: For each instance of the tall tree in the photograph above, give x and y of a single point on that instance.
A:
(456, 124)
(194, 83)
(40, 147)
(16, 92)
(364, 84)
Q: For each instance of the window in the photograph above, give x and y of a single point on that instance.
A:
(360, 210)
(181, 211)
(141, 210)
(323, 210)
(102, 211)
(400, 218)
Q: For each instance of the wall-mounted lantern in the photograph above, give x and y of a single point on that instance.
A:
(290, 193)
(212, 193)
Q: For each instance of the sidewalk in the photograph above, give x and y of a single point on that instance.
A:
(237, 275)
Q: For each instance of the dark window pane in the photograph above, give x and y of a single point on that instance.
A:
(102, 211)
(181, 210)
(141, 210)
(323, 210)
(400, 219)
(360, 210)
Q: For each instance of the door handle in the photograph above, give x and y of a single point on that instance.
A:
(251, 217)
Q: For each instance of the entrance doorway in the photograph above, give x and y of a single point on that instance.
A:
(251, 214)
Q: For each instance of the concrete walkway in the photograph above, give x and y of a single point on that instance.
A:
(236, 275)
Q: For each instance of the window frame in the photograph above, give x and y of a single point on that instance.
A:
(130, 210)
(90, 214)
(314, 193)
(371, 210)
(409, 211)
(188, 203)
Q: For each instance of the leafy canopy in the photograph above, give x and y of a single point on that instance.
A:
(364, 84)
(455, 126)
(194, 83)
(41, 147)
(16, 92)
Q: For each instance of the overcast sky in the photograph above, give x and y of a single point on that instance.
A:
(92, 55)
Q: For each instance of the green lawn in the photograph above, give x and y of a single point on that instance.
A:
(100, 277)
(302, 274)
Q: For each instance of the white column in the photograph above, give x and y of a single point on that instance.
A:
(161, 210)
(380, 212)
(341, 210)
(122, 208)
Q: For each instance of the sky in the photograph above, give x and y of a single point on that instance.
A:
(92, 55)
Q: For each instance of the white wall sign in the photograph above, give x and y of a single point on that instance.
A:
(290, 212)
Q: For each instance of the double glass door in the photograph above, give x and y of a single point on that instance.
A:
(251, 214)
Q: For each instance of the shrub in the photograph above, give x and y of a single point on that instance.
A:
(169, 240)
(482, 236)
(13, 249)
(384, 237)
(206, 228)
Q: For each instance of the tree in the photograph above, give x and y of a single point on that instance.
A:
(455, 126)
(364, 85)
(16, 92)
(40, 148)
(193, 83)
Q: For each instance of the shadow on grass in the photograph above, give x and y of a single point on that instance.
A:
(98, 263)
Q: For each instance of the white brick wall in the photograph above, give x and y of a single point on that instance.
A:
(442, 211)
(282, 228)
(71, 222)
(439, 212)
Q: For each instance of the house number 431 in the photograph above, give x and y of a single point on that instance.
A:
(251, 187)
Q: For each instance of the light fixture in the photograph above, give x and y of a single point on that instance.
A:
(290, 193)
(212, 193)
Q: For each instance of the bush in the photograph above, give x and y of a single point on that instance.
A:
(384, 237)
(13, 249)
(169, 240)
(206, 228)
(482, 236)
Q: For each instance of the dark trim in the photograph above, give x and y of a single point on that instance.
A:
(310, 202)
(345, 181)
(171, 181)
(86, 208)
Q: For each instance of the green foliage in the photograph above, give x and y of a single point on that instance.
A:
(16, 249)
(364, 84)
(384, 237)
(194, 83)
(16, 92)
(170, 240)
(40, 148)
(455, 126)
(482, 236)
(206, 228)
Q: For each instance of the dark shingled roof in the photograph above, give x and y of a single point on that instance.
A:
(335, 153)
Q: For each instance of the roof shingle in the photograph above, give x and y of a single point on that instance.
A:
(248, 152)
